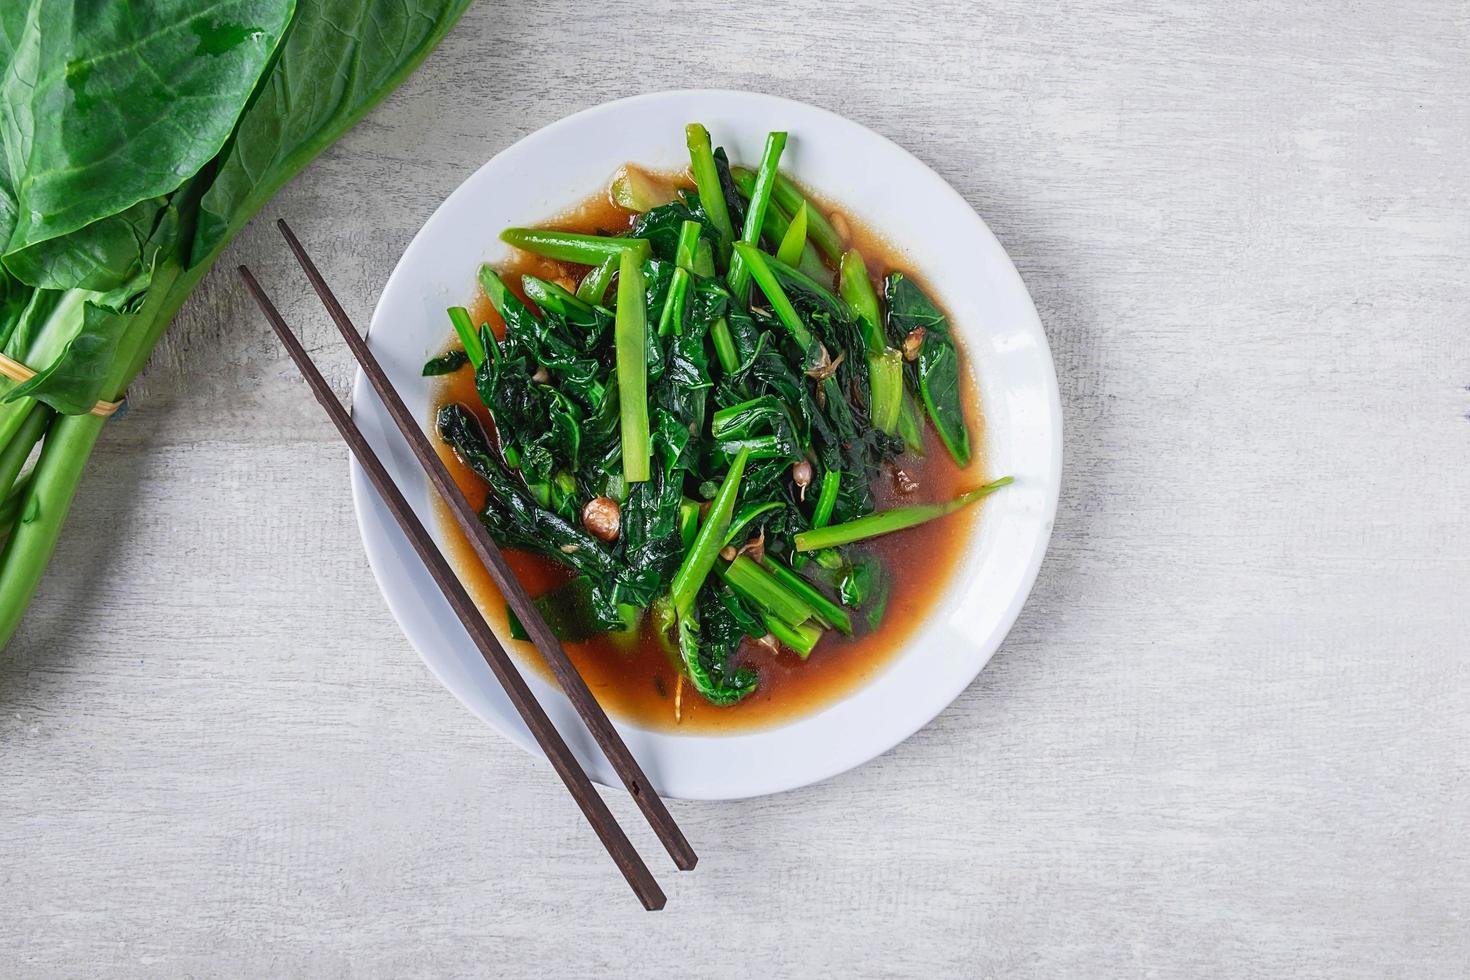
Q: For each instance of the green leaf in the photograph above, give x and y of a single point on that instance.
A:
(341, 59)
(115, 252)
(936, 373)
(446, 363)
(73, 382)
(73, 379)
(113, 104)
(108, 104)
(706, 667)
(572, 611)
(15, 296)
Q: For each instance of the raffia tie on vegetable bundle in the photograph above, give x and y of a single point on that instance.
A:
(20, 374)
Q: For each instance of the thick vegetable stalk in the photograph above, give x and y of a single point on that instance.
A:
(464, 328)
(700, 558)
(671, 319)
(707, 181)
(803, 639)
(631, 340)
(66, 448)
(108, 221)
(789, 198)
(888, 521)
(885, 365)
(824, 610)
(765, 278)
(755, 213)
(566, 246)
(763, 591)
(593, 286)
(551, 298)
(793, 240)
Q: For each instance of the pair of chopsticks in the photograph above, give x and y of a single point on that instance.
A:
(572, 684)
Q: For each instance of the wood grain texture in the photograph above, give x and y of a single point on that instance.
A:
(1228, 736)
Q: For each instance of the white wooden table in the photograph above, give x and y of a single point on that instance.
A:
(1228, 737)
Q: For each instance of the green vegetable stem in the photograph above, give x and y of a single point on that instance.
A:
(631, 346)
(789, 198)
(566, 246)
(707, 181)
(888, 521)
(706, 548)
(755, 212)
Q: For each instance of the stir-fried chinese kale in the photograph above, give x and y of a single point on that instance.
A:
(695, 430)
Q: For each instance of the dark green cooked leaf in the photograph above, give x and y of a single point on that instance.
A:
(937, 370)
(706, 665)
(446, 363)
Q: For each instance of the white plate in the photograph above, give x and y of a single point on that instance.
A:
(944, 240)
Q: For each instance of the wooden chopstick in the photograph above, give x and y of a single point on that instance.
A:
(562, 760)
(562, 668)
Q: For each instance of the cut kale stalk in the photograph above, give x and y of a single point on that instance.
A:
(888, 521)
(885, 365)
(593, 287)
(760, 197)
(631, 346)
(802, 639)
(910, 424)
(566, 246)
(790, 198)
(474, 349)
(764, 592)
(707, 543)
(778, 225)
(765, 278)
(827, 498)
(552, 298)
(885, 376)
(671, 320)
(809, 296)
(827, 612)
(724, 344)
(707, 180)
(793, 241)
(858, 290)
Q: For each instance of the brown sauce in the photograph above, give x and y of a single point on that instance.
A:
(634, 678)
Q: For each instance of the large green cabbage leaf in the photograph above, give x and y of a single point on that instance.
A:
(108, 103)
